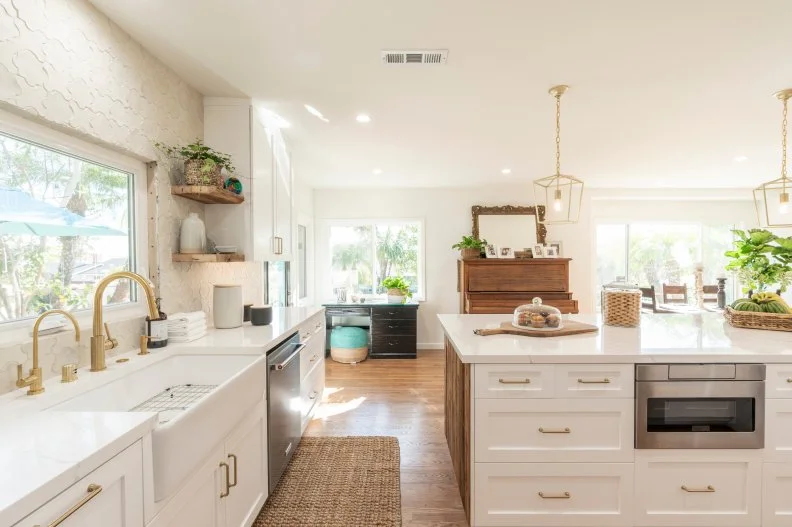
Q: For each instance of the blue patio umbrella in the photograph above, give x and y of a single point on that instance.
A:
(21, 214)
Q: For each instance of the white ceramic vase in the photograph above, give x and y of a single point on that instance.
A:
(227, 307)
(192, 236)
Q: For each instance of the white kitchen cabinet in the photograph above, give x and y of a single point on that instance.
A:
(553, 430)
(776, 493)
(312, 366)
(779, 381)
(110, 496)
(553, 494)
(595, 381)
(698, 488)
(520, 381)
(778, 430)
(260, 227)
(246, 455)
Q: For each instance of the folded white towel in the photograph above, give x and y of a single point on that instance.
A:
(187, 338)
(180, 318)
(182, 332)
(188, 325)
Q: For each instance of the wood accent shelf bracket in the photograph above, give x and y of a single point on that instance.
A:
(208, 258)
(207, 194)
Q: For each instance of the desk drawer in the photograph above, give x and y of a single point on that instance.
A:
(399, 313)
(384, 345)
(553, 430)
(390, 326)
(554, 494)
(698, 489)
(513, 381)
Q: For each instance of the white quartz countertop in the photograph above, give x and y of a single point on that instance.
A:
(704, 337)
(43, 452)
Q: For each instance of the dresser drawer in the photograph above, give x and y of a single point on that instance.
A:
(779, 381)
(522, 381)
(595, 380)
(553, 494)
(388, 326)
(383, 346)
(698, 488)
(776, 493)
(553, 430)
(398, 313)
(778, 430)
(498, 276)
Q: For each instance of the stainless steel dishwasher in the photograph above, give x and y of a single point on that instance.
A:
(283, 406)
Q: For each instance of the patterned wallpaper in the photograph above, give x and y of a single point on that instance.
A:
(67, 65)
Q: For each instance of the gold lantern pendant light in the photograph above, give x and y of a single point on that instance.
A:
(771, 199)
(560, 196)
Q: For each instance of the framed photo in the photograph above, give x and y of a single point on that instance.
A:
(506, 252)
(559, 247)
(551, 252)
(538, 251)
(492, 251)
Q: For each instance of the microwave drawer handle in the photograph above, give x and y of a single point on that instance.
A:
(282, 365)
(594, 381)
(708, 488)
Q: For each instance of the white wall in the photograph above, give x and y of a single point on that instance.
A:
(446, 214)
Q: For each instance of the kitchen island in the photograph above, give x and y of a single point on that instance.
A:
(542, 431)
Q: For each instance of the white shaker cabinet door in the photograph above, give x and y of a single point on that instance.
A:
(245, 455)
(283, 198)
(777, 495)
(262, 193)
(778, 430)
(110, 496)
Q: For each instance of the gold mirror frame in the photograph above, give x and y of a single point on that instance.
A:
(511, 210)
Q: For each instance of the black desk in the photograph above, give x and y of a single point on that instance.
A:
(393, 328)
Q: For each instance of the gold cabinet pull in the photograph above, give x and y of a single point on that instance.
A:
(594, 381)
(224, 465)
(564, 496)
(233, 458)
(313, 358)
(92, 492)
(789, 379)
(709, 488)
(564, 430)
(514, 381)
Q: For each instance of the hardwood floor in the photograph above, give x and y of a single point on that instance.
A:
(402, 398)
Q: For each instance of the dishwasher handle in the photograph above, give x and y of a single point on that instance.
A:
(282, 365)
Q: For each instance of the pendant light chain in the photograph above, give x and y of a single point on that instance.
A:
(558, 133)
(784, 141)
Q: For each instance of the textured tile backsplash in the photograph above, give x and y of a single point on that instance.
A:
(67, 65)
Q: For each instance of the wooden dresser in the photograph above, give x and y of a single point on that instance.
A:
(500, 285)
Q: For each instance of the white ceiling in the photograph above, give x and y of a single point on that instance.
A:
(662, 94)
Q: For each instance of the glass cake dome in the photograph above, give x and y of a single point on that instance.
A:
(537, 316)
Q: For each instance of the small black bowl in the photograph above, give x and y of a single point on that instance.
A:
(261, 315)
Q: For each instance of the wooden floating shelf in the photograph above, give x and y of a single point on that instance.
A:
(208, 258)
(207, 194)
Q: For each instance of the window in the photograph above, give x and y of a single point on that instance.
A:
(364, 253)
(66, 221)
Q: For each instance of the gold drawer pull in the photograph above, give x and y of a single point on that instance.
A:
(93, 491)
(313, 358)
(514, 381)
(709, 488)
(789, 379)
(564, 496)
(594, 381)
(565, 430)
(224, 493)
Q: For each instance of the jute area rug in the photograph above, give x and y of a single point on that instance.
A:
(338, 482)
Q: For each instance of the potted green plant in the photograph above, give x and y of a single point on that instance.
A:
(761, 260)
(398, 289)
(202, 164)
(470, 247)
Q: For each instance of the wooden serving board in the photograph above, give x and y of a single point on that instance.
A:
(571, 327)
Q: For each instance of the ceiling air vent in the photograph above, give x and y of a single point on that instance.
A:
(430, 56)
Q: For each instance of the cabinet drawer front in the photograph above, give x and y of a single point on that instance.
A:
(392, 345)
(522, 381)
(553, 494)
(779, 381)
(398, 313)
(776, 492)
(697, 488)
(311, 389)
(595, 380)
(312, 353)
(394, 327)
(553, 430)
(495, 276)
(778, 424)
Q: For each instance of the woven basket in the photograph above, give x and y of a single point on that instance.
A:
(470, 254)
(621, 307)
(194, 176)
(752, 320)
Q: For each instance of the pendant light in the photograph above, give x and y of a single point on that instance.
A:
(771, 199)
(560, 195)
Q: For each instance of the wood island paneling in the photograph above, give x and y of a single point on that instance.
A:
(457, 420)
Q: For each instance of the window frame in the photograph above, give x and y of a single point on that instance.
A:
(47, 137)
(326, 264)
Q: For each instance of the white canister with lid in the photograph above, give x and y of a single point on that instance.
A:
(192, 236)
(227, 306)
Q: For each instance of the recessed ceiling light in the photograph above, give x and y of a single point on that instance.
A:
(363, 118)
(740, 159)
(316, 113)
(506, 171)
(377, 171)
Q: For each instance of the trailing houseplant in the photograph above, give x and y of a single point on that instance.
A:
(202, 164)
(398, 289)
(761, 260)
(470, 247)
